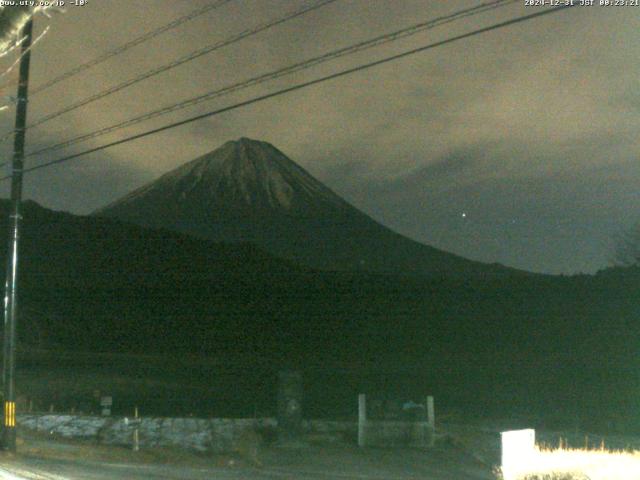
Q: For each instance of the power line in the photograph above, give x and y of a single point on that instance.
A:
(180, 61)
(302, 85)
(306, 64)
(136, 41)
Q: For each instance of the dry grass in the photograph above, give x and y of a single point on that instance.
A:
(578, 464)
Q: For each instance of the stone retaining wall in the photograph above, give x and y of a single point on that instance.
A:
(217, 435)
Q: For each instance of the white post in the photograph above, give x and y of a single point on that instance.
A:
(362, 419)
(431, 420)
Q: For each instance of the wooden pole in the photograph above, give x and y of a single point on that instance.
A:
(11, 285)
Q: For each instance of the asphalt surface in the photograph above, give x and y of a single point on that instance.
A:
(309, 463)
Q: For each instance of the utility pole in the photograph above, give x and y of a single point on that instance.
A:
(11, 286)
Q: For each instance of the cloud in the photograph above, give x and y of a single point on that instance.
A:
(491, 122)
(82, 186)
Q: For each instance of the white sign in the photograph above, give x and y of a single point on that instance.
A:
(518, 451)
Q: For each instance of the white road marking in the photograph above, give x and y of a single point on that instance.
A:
(19, 474)
(5, 475)
(288, 472)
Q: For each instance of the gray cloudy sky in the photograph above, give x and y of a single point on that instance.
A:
(529, 131)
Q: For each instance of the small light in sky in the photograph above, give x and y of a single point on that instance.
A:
(464, 214)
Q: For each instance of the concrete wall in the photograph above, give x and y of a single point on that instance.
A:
(396, 433)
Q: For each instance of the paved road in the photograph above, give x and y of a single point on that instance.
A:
(307, 464)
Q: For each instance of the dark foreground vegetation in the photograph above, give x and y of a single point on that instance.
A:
(146, 306)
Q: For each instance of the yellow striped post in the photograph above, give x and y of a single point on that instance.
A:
(10, 414)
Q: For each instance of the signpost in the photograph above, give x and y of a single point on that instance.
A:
(106, 403)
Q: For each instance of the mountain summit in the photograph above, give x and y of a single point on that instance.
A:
(248, 190)
(244, 175)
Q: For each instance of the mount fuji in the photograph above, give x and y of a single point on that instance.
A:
(249, 191)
